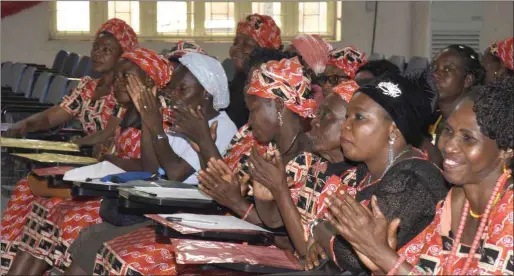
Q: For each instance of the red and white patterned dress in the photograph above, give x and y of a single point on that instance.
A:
(430, 249)
(94, 115)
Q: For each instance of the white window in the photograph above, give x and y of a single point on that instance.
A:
(195, 20)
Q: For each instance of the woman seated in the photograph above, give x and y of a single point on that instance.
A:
(381, 126)
(471, 233)
(255, 31)
(342, 65)
(193, 87)
(498, 60)
(92, 102)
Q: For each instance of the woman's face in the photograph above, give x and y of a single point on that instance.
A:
(326, 126)
(241, 50)
(105, 53)
(365, 132)
(333, 77)
(122, 70)
(185, 90)
(491, 66)
(468, 155)
(449, 75)
(263, 118)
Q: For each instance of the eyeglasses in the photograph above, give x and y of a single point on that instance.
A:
(332, 79)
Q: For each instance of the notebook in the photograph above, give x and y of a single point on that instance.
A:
(173, 193)
(38, 144)
(214, 222)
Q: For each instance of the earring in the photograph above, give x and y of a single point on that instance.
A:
(391, 152)
(280, 122)
(496, 73)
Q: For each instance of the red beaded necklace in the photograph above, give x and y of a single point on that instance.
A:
(483, 222)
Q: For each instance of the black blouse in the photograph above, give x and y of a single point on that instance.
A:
(410, 190)
(237, 110)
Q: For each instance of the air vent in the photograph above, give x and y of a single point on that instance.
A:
(441, 39)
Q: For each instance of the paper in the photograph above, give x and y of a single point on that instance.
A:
(52, 171)
(214, 222)
(95, 172)
(56, 158)
(4, 127)
(38, 144)
(174, 193)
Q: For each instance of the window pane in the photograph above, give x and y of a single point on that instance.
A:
(72, 16)
(269, 8)
(219, 18)
(125, 10)
(312, 17)
(172, 17)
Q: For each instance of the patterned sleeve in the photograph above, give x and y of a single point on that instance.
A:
(118, 111)
(297, 172)
(72, 103)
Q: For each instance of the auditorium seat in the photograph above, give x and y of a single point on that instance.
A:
(417, 63)
(398, 61)
(41, 86)
(59, 60)
(15, 77)
(70, 63)
(6, 72)
(376, 56)
(56, 90)
(27, 80)
(83, 67)
(72, 83)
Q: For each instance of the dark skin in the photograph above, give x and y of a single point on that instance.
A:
(472, 162)
(105, 53)
(450, 78)
(240, 50)
(269, 170)
(335, 76)
(494, 67)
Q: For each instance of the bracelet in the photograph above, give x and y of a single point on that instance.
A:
(313, 224)
(248, 212)
(399, 261)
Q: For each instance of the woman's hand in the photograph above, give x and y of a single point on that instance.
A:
(191, 123)
(219, 182)
(17, 130)
(135, 88)
(150, 111)
(213, 131)
(314, 251)
(366, 230)
(269, 171)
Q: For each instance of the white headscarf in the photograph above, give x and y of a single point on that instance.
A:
(211, 75)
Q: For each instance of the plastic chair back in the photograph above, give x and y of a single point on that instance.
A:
(16, 72)
(70, 63)
(376, 56)
(398, 61)
(57, 89)
(72, 83)
(6, 73)
(83, 68)
(26, 81)
(41, 86)
(59, 60)
(417, 63)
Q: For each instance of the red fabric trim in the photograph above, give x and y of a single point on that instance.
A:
(14, 7)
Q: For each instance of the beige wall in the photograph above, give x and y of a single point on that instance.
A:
(402, 29)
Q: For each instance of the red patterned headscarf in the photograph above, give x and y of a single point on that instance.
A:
(348, 59)
(505, 51)
(262, 29)
(122, 32)
(155, 66)
(285, 79)
(183, 47)
(314, 50)
(346, 89)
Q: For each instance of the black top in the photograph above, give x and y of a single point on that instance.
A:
(237, 110)
(410, 190)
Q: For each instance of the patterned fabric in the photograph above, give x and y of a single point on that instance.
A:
(262, 29)
(183, 47)
(122, 32)
(93, 114)
(314, 50)
(155, 66)
(346, 90)
(128, 143)
(430, 249)
(505, 51)
(348, 59)
(13, 220)
(285, 79)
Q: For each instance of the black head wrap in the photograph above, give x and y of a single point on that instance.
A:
(404, 101)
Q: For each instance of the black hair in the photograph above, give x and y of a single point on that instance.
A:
(472, 63)
(379, 67)
(262, 55)
(493, 106)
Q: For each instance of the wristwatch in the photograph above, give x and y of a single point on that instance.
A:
(313, 224)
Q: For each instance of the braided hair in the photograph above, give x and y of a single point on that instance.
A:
(493, 106)
(262, 55)
(472, 63)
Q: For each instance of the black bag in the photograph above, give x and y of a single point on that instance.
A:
(109, 213)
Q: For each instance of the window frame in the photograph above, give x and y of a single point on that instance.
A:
(98, 14)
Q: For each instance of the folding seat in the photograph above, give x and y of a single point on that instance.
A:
(376, 56)
(417, 63)
(59, 60)
(398, 61)
(56, 90)
(83, 68)
(70, 63)
(6, 72)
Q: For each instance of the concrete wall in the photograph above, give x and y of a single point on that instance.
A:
(403, 28)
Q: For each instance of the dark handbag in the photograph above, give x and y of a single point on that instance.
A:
(109, 213)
